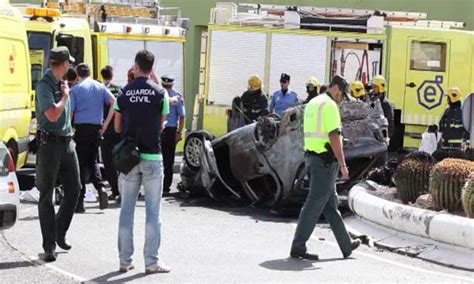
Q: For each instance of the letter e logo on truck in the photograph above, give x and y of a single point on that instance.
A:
(430, 93)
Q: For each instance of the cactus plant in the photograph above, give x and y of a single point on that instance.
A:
(446, 182)
(412, 176)
(468, 196)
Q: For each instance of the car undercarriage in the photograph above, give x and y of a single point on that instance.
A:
(263, 163)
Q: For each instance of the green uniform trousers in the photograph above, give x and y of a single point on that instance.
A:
(322, 199)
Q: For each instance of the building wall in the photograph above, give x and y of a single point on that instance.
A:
(198, 11)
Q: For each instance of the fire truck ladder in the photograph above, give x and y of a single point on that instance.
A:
(330, 18)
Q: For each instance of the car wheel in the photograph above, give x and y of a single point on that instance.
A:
(193, 146)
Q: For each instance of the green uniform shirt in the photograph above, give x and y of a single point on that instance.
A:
(48, 93)
(321, 117)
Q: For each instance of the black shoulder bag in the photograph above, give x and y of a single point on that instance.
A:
(125, 155)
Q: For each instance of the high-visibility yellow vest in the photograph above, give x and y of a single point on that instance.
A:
(321, 117)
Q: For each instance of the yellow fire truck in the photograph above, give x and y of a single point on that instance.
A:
(100, 33)
(419, 58)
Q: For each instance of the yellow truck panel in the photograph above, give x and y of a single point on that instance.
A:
(422, 64)
(15, 88)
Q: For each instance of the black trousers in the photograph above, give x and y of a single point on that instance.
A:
(168, 150)
(87, 137)
(111, 174)
(56, 160)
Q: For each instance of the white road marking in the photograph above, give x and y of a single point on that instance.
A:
(50, 266)
(399, 264)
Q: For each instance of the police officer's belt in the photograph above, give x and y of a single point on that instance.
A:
(49, 137)
(328, 157)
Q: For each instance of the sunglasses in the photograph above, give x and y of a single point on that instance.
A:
(358, 90)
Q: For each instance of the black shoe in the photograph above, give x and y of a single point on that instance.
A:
(166, 194)
(354, 245)
(80, 208)
(112, 197)
(103, 200)
(49, 255)
(62, 243)
(305, 255)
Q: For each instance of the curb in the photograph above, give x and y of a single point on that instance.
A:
(438, 226)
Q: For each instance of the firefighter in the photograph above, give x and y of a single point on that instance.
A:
(378, 94)
(358, 90)
(324, 158)
(254, 101)
(312, 88)
(284, 98)
(450, 124)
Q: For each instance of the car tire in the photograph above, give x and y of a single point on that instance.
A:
(193, 144)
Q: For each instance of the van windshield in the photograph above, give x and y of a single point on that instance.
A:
(39, 44)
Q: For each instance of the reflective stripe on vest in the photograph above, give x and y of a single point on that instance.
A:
(318, 133)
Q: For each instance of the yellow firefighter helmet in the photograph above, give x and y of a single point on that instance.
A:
(454, 94)
(357, 89)
(378, 81)
(255, 82)
(314, 82)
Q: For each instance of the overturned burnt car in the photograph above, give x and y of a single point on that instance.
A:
(263, 163)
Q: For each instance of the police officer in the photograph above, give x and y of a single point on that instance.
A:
(56, 156)
(254, 100)
(88, 98)
(450, 124)
(324, 158)
(284, 98)
(378, 94)
(111, 138)
(312, 88)
(358, 90)
(172, 133)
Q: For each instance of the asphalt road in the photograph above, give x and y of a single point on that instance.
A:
(203, 242)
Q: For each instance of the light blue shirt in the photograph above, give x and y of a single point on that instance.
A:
(281, 102)
(176, 110)
(88, 98)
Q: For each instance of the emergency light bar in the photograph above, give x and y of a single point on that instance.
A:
(137, 29)
(43, 12)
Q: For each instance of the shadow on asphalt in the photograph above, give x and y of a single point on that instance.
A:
(232, 207)
(289, 264)
(106, 277)
(16, 264)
